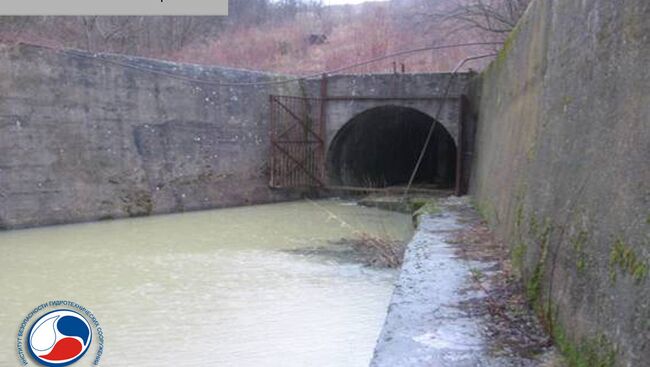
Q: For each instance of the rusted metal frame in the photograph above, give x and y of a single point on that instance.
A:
(275, 98)
(288, 154)
(279, 172)
(282, 172)
(460, 147)
(272, 139)
(293, 169)
(305, 160)
(321, 122)
(304, 150)
(299, 120)
(297, 168)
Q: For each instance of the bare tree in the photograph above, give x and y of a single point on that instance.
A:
(152, 36)
(494, 18)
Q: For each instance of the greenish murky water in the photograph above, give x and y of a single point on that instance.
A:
(213, 288)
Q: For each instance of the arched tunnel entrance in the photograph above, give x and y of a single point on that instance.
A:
(380, 147)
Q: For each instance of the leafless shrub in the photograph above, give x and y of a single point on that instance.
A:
(152, 36)
(259, 34)
(379, 251)
(491, 17)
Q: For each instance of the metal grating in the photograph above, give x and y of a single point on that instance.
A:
(297, 143)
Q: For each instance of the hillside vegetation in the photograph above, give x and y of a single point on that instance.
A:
(288, 36)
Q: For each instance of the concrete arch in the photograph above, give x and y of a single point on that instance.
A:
(380, 146)
(340, 111)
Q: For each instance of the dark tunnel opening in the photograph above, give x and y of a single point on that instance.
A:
(380, 147)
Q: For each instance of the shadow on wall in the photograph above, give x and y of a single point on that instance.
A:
(380, 147)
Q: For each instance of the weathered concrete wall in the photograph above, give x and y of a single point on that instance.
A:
(562, 170)
(86, 137)
(82, 139)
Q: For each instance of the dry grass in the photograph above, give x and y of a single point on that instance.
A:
(512, 325)
(379, 251)
(283, 47)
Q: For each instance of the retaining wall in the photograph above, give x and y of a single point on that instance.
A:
(84, 138)
(562, 170)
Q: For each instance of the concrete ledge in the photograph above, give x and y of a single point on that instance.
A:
(429, 322)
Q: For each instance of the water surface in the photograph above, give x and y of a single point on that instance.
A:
(212, 288)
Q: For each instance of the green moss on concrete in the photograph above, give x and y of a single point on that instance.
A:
(427, 207)
(507, 46)
(518, 251)
(578, 243)
(545, 235)
(596, 352)
(519, 215)
(581, 264)
(593, 352)
(484, 209)
(534, 284)
(415, 203)
(517, 256)
(533, 226)
(622, 257)
(633, 25)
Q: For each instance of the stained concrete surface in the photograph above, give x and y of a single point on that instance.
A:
(562, 171)
(431, 320)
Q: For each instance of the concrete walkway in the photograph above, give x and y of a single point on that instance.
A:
(429, 322)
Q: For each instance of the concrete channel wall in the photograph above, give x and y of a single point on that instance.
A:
(562, 170)
(84, 138)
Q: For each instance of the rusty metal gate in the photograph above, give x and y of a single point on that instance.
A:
(297, 142)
